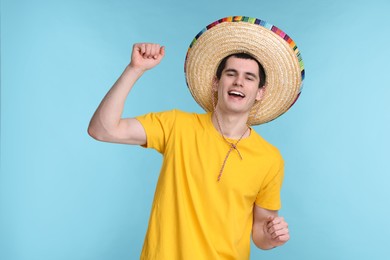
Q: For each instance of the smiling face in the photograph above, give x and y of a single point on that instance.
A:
(238, 86)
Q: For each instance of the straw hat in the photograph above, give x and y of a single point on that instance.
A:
(274, 49)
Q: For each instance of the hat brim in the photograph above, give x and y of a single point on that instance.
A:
(274, 49)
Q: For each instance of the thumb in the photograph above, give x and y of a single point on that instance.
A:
(161, 54)
(270, 218)
(162, 50)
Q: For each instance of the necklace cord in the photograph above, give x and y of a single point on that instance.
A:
(233, 146)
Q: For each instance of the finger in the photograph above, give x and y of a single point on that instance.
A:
(137, 48)
(275, 221)
(154, 51)
(277, 227)
(162, 51)
(270, 219)
(270, 222)
(148, 50)
(280, 233)
(278, 220)
(282, 238)
(142, 48)
(151, 50)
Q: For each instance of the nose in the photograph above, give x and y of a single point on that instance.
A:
(238, 81)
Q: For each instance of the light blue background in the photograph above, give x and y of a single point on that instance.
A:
(66, 196)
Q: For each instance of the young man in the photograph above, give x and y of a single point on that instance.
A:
(220, 181)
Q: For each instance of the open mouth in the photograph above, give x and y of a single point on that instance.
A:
(235, 93)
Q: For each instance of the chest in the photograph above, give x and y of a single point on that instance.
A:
(198, 158)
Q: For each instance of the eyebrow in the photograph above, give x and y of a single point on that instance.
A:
(247, 73)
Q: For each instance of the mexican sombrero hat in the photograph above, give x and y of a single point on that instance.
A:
(273, 48)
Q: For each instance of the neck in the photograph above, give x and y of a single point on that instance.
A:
(231, 126)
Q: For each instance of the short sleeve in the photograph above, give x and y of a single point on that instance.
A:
(158, 128)
(269, 194)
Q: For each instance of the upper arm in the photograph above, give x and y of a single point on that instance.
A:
(128, 131)
(131, 131)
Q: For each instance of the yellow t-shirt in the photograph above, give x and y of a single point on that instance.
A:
(193, 216)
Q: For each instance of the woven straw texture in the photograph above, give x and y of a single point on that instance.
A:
(269, 45)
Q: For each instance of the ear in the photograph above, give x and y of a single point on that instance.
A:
(260, 93)
(215, 84)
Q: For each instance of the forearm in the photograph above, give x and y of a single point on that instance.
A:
(107, 124)
(260, 238)
(108, 115)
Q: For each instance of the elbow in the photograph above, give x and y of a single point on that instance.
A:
(257, 243)
(261, 243)
(262, 246)
(102, 134)
(91, 132)
(95, 133)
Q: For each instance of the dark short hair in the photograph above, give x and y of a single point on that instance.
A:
(246, 56)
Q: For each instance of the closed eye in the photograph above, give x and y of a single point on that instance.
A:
(250, 76)
(230, 72)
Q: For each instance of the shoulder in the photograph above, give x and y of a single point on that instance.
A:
(174, 116)
(179, 115)
(264, 146)
(190, 121)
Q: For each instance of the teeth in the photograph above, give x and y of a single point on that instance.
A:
(236, 93)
